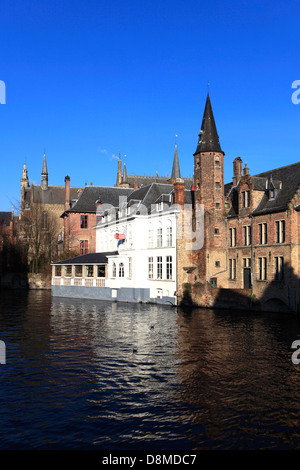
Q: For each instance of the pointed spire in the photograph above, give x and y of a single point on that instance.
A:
(44, 169)
(124, 178)
(44, 179)
(208, 136)
(175, 169)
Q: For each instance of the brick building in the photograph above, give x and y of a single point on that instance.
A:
(251, 228)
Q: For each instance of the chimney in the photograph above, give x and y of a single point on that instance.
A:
(237, 170)
(67, 193)
(179, 191)
(135, 187)
(246, 170)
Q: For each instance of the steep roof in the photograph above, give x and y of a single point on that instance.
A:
(208, 136)
(285, 180)
(104, 194)
(51, 195)
(175, 169)
(289, 177)
(143, 180)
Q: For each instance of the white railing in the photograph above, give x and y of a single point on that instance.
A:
(68, 281)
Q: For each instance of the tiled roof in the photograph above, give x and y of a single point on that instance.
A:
(285, 180)
(105, 195)
(52, 195)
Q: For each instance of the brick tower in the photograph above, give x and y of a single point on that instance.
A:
(209, 191)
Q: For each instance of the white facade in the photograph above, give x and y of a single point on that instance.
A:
(147, 254)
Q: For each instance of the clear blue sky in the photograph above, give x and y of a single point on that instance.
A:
(87, 79)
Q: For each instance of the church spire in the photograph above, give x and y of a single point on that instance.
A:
(176, 168)
(208, 136)
(44, 178)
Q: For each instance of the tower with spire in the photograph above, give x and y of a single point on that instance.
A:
(209, 164)
(44, 175)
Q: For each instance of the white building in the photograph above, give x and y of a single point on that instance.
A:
(143, 232)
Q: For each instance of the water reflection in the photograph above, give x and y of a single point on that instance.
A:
(91, 374)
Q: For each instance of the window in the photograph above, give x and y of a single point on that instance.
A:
(101, 271)
(150, 237)
(279, 268)
(78, 271)
(217, 264)
(232, 236)
(169, 236)
(246, 198)
(121, 270)
(114, 270)
(89, 270)
(159, 237)
(44, 221)
(214, 282)
(129, 268)
(247, 235)
(218, 185)
(263, 239)
(68, 271)
(217, 162)
(217, 231)
(280, 231)
(84, 247)
(232, 269)
(159, 267)
(169, 267)
(150, 267)
(247, 262)
(83, 221)
(57, 270)
(262, 269)
(217, 205)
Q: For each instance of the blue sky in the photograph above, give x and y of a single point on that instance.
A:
(87, 79)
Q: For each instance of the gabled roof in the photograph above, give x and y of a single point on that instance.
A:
(285, 180)
(51, 195)
(105, 195)
(208, 136)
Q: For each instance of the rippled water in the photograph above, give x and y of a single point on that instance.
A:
(101, 375)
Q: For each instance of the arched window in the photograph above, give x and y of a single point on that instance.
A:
(114, 269)
(121, 270)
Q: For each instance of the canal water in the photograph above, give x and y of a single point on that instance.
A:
(100, 375)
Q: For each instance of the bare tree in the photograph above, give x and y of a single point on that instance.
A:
(40, 229)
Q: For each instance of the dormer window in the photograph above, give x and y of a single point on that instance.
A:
(272, 193)
(246, 198)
